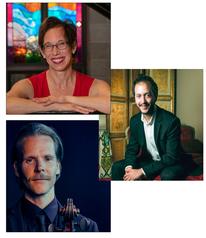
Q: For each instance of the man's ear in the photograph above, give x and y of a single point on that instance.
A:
(59, 167)
(16, 169)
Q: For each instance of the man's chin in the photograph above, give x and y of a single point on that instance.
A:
(145, 112)
(38, 191)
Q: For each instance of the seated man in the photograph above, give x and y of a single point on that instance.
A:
(155, 138)
(37, 157)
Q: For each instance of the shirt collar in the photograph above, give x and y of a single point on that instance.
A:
(31, 210)
(52, 209)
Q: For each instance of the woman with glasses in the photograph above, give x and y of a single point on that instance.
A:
(60, 88)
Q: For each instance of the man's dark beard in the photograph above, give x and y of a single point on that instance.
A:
(151, 110)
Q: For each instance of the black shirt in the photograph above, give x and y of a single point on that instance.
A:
(24, 217)
(31, 213)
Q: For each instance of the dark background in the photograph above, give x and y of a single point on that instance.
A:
(79, 178)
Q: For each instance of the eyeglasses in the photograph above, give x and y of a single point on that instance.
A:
(61, 45)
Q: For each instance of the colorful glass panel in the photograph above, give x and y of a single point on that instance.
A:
(63, 11)
(23, 21)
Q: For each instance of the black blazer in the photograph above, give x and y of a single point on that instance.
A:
(167, 138)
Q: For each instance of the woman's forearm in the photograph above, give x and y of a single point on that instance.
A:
(15, 105)
(98, 103)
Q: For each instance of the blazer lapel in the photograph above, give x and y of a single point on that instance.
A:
(141, 133)
(157, 126)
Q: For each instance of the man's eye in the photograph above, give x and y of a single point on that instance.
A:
(28, 161)
(48, 158)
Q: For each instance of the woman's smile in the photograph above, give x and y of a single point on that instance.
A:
(57, 60)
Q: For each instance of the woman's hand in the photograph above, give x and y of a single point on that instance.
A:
(49, 100)
(59, 104)
(71, 107)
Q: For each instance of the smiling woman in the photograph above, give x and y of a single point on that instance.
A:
(60, 88)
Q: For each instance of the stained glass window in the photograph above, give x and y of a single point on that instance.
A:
(23, 22)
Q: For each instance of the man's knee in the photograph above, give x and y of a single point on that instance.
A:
(168, 175)
(118, 170)
(172, 173)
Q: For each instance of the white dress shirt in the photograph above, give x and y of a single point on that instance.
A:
(149, 136)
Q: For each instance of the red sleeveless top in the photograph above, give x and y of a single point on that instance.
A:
(41, 89)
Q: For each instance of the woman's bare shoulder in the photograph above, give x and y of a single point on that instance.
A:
(99, 86)
(22, 88)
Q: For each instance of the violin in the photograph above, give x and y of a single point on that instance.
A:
(68, 213)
